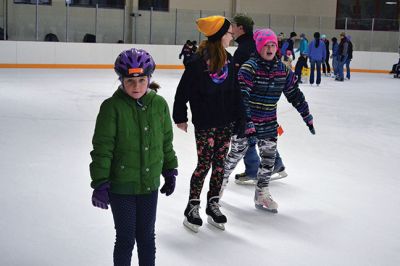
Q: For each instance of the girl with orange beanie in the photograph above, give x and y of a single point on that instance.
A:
(209, 85)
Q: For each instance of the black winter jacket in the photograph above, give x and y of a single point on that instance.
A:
(212, 105)
(246, 47)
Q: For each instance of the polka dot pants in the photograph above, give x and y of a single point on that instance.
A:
(134, 219)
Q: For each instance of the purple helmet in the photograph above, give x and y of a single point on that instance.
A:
(134, 63)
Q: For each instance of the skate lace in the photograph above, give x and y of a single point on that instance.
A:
(214, 206)
(265, 195)
(194, 211)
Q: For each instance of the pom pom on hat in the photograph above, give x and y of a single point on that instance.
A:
(264, 36)
(213, 27)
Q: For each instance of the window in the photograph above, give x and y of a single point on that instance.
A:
(33, 2)
(159, 5)
(101, 3)
(359, 14)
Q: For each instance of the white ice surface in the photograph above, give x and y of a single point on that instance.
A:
(340, 204)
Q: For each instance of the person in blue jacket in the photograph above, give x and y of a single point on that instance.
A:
(317, 54)
(303, 48)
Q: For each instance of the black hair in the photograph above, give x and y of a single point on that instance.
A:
(317, 40)
(246, 28)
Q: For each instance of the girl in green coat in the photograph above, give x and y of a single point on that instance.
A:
(132, 147)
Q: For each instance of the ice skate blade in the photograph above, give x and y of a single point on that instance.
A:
(279, 175)
(191, 227)
(247, 182)
(261, 207)
(217, 225)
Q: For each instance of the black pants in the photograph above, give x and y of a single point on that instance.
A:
(134, 219)
(212, 148)
(326, 68)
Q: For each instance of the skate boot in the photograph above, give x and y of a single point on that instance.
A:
(215, 217)
(243, 179)
(192, 217)
(264, 201)
(224, 184)
(278, 173)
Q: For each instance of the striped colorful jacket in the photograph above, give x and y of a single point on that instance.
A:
(262, 83)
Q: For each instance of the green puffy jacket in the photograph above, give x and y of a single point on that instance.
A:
(132, 144)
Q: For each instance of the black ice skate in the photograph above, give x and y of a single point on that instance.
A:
(192, 217)
(215, 217)
(243, 179)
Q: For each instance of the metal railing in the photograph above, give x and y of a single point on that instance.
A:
(71, 24)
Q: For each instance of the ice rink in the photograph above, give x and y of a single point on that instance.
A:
(340, 204)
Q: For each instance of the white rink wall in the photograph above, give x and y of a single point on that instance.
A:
(18, 52)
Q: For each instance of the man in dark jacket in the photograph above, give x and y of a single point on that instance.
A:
(288, 45)
(187, 52)
(342, 55)
(242, 28)
(349, 56)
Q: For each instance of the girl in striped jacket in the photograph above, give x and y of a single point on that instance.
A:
(263, 79)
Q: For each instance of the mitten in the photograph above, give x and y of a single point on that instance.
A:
(100, 197)
(170, 179)
(250, 133)
(308, 119)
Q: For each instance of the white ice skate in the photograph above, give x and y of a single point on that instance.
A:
(263, 200)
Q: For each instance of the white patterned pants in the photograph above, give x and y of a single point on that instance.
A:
(267, 150)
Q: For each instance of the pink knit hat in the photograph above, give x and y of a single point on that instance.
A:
(263, 36)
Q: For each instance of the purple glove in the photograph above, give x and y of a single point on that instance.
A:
(100, 196)
(309, 122)
(170, 179)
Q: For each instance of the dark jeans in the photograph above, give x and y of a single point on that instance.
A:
(134, 219)
(348, 68)
(326, 68)
(341, 63)
(313, 63)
